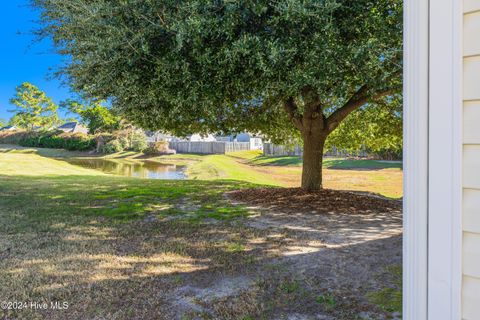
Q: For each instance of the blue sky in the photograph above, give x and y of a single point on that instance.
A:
(22, 60)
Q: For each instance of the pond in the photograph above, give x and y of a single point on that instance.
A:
(138, 169)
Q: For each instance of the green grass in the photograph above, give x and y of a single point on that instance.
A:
(92, 193)
(390, 298)
(327, 299)
(359, 164)
(384, 178)
(277, 161)
(227, 167)
(290, 286)
(235, 247)
(78, 235)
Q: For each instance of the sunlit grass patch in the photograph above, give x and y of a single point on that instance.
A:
(235, 247)
(328, 300)
(390, 298)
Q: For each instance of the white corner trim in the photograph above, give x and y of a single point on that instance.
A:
(415, 204)
(457, 161)
(432, 159)
(445, 156)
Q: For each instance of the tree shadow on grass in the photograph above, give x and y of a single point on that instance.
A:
(334, 164)
(277, 161)
(365, 165)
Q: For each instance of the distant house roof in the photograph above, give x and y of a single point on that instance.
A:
(73, 127)
(8, 128)
(68, 126)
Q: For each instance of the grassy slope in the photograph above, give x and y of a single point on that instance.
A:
(384, 178)
(138, 197)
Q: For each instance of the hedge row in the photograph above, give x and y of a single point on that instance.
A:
(49, 139)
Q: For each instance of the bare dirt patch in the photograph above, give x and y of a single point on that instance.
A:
(335, 249)
(325, 201)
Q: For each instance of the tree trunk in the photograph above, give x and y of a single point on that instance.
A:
(312, 161)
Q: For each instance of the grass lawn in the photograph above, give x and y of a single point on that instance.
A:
(330, 163)
(377, 177)
(73, 234)
(125, 248)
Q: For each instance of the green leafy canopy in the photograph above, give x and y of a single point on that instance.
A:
(207, 66)
(94, 114)
(375, 127)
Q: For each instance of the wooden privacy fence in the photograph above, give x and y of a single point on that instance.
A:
(237, 146)
(208, 147)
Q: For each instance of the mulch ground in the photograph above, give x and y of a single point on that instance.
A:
(324, 201)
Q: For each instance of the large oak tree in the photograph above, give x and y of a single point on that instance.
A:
(283, 68)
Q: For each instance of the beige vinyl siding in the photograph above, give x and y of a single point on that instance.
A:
(471, 214)
(471, 258)
(470, 294)
(471, 166)
(471, 161)
(471, 74)
(471, 44)
(471, 6)
(471, 116)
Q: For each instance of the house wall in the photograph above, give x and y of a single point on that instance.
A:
(198, 137)
(80, 129)
(471, 161)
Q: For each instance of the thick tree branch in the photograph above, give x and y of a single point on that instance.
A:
(360, 98)
(291, 108)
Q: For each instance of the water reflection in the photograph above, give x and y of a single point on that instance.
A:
(140, 169)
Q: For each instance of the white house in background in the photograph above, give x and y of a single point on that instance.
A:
(256, 142)
(8, 128)
(198, 137)
(442, 160)
(73, 127)
(155, 136)
(160, 136)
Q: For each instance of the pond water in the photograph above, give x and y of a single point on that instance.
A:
(139, 169)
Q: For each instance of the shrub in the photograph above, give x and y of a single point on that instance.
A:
(138, 141)
(389, 154)
(158, 147)
(105, 143)
(112, 146)
(49, 139)
(77, 141)
(121, 140)
(12, 137)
